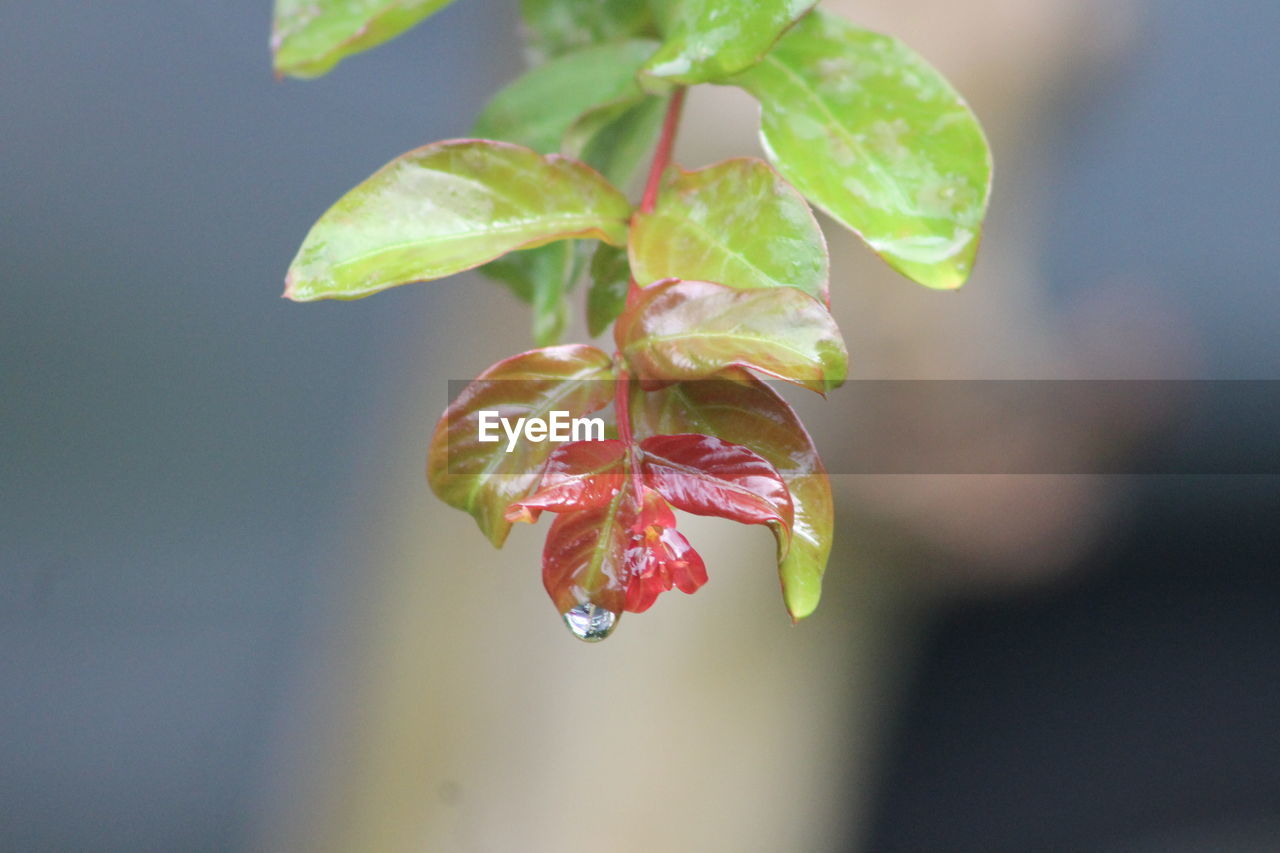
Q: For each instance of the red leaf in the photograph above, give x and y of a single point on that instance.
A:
(749, 412)
(707, 476)
(579, 475)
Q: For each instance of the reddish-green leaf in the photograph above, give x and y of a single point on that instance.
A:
(736, 223)
(448, 207)
(748, 412)
(873, 135)
(706, 475)
(680, 330)
(709, 40)
(309, 37)
(482, 478)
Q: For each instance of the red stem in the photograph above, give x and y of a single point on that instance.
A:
(662, 154)
(658, 165)
(622, 389)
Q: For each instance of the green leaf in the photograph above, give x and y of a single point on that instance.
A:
(539, 107)
(709, 40)
(448, 207)
(309, 37)
(553, 27)
(678, 330)
(749, 413)
(482, 478)
(540, 277)
(610, 279)
(616, 138)
(736, 223)
(877, 138)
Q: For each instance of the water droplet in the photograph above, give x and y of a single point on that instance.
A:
(590, 623)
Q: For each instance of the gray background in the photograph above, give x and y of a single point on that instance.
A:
(179, 445)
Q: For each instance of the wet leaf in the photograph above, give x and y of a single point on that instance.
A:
(750, 413)
(553, 27)
(482, 478)
(309, 37)
(706, 475)
(680, 330)
(872, 134)
(585, 560)
(540, 106)
(614, 544)
(610, 279)
(448, 207)
(578, 475)
(736, 223)
(709, 40)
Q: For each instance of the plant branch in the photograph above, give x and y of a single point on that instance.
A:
(662, 153)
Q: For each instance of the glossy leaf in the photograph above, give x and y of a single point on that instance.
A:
(540, 277)
(585, 562)
(309, 37)
(482, 478)
(553, 27)
(610, 279)
(680, 330)
(709, 40)
(539, 107)
(578, 475)
(736, 223)
(614, 544)
(446, 208)
(750, 413)
(872, 134)
(615, 138)
(706, 475)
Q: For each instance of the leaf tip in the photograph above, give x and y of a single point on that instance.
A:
(291, 290)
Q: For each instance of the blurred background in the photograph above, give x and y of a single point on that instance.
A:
(232, 617)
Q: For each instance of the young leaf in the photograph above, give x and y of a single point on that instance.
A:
(680, 330)
(877, 138)
(540, 277)
(578, 475)
(750, 413)
(614, 545)
(553, 27)
(610, 279)
(448, 207)
(615, 138)
(482, 478)
(706, 475)
(539, 107)
(584, 565)
(736, 223)
(309, 37)
(709, 40)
